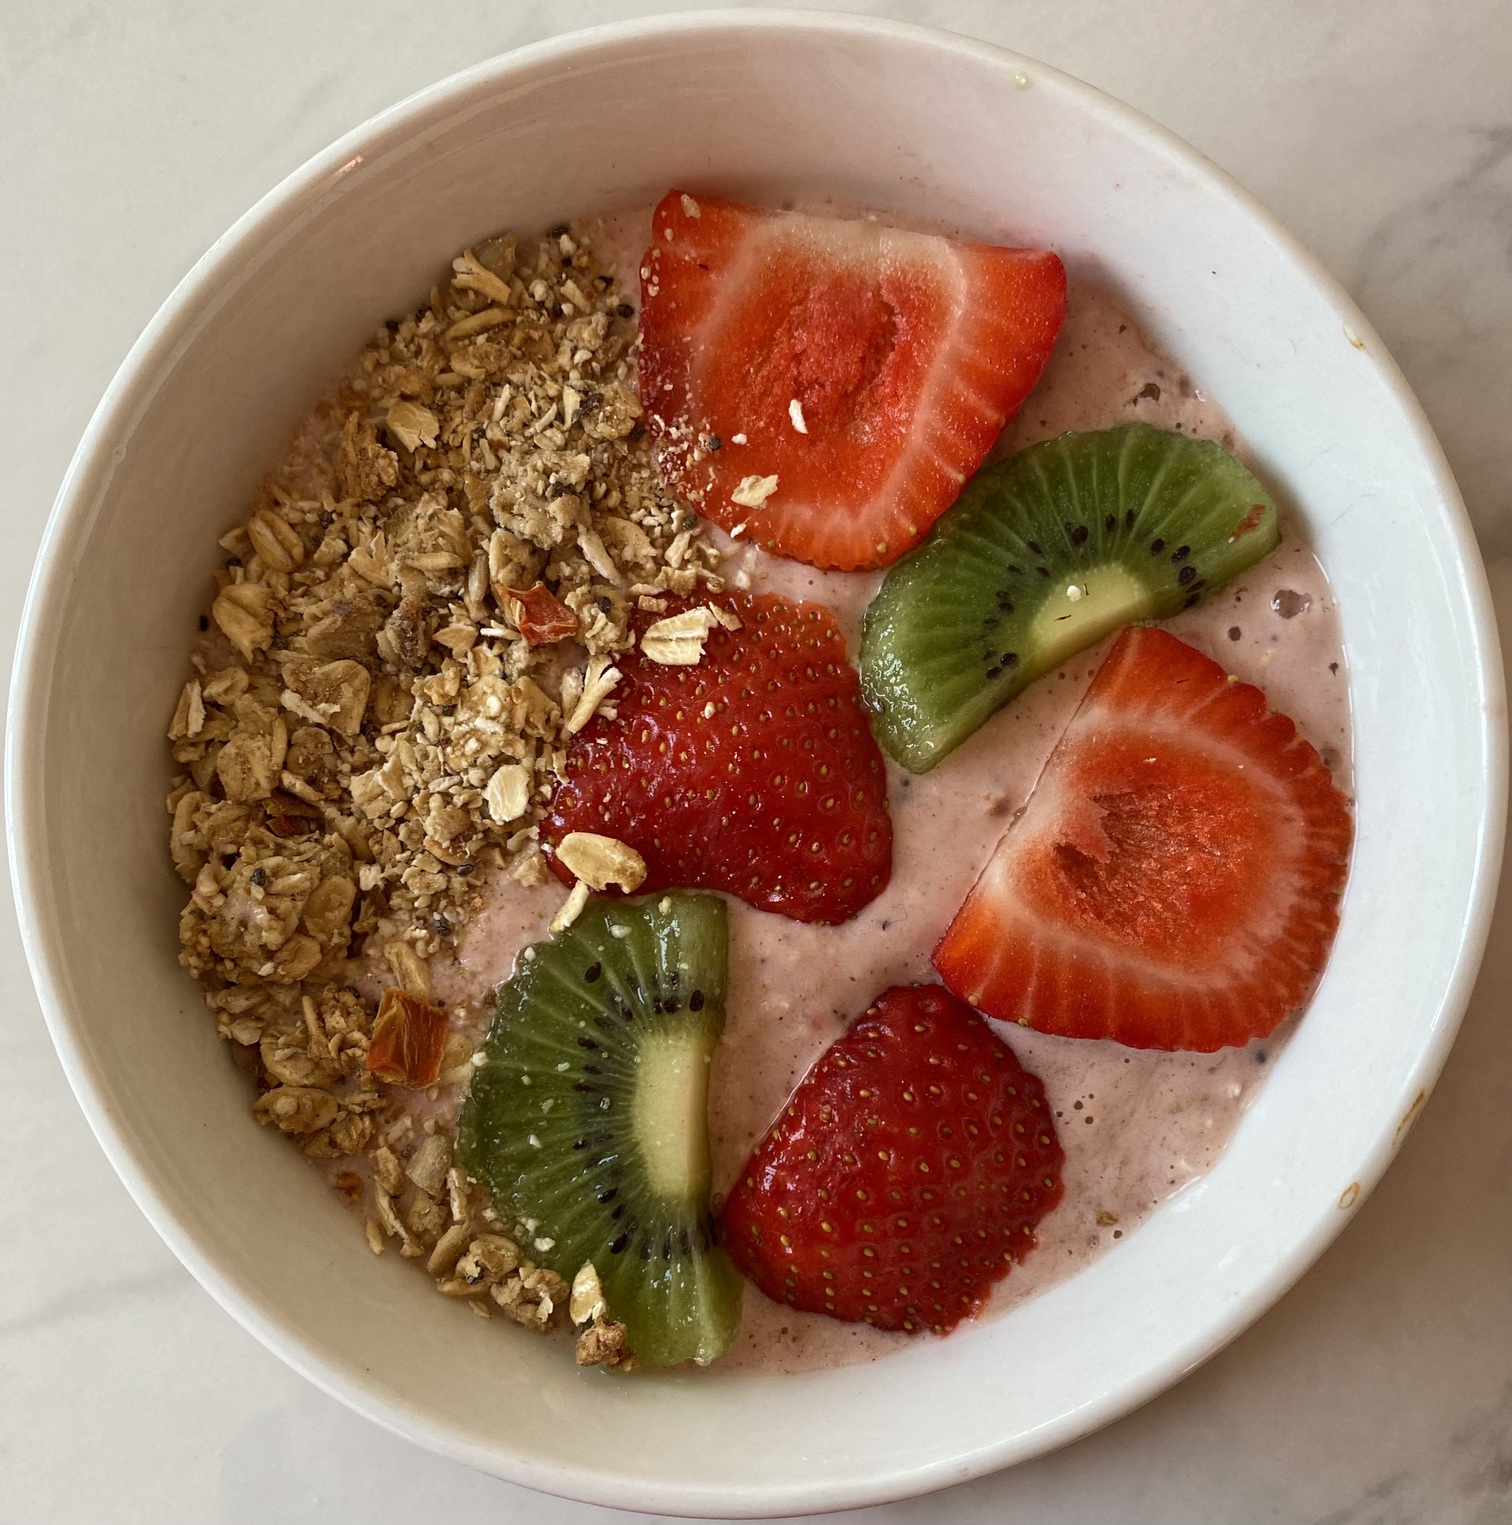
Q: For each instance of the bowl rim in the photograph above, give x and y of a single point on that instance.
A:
(87, 474)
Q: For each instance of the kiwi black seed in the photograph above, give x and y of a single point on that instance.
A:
(1041, 556)
(588, 1121)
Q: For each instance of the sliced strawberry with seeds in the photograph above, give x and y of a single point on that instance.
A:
(1174, 880)
(830, 385)
(752, 771)
(906, 1174)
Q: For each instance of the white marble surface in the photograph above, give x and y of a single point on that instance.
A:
(1379, 1392)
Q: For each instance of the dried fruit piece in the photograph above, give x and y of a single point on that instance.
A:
(539, 615)
(409, 1039)
(289, 816)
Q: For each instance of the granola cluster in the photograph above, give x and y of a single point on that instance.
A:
(422, 608)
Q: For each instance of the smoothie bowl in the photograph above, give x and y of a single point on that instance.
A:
(632, 704)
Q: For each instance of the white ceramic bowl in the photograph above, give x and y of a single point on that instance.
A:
(760, 105)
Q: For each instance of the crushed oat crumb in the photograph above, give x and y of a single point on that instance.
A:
(754, 491)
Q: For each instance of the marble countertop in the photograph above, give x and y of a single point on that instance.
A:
(1379, 1391)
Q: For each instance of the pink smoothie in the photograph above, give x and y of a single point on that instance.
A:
(1136, 1126)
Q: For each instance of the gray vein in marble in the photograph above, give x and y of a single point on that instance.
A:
(1436, 278)
(89, 1301)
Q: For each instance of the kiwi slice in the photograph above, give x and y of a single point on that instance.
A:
(1041, 556)
(589, 1116)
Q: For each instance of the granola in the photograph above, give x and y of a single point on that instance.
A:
(422, 607)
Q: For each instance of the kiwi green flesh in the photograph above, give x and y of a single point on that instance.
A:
(589, 1116)
(1042, 556)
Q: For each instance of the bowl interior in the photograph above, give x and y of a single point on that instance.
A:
(763, 107)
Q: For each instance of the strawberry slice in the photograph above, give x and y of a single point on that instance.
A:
(752, 771)
(1174, 880)
(906, 1173)
(831, 385)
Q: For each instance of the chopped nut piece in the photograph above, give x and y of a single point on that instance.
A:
(473, 275)
(601, 861)
(189, 717)
(480, 322)
(448, 1250)
(429, 1164)
(387, 1171)
(678, 640)
(587, 1296)
(412, 972)
(409, 1037)
(598, 684)
(571, 908)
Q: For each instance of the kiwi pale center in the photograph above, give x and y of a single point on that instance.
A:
(668, 1109)
(1081, 609)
